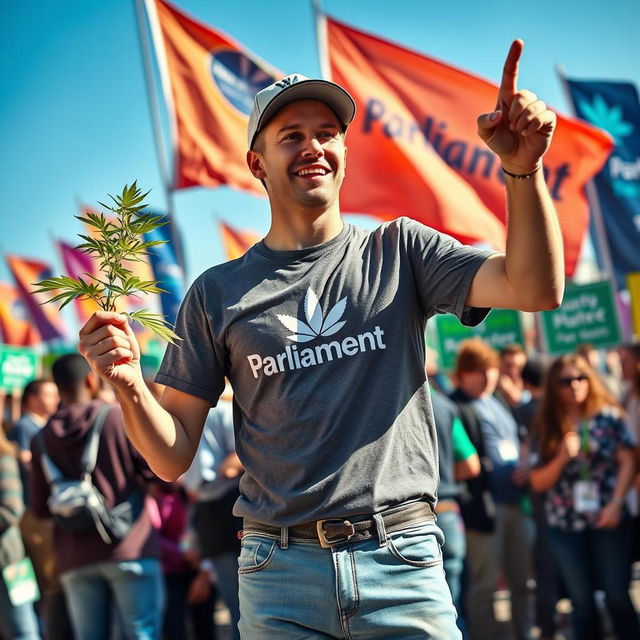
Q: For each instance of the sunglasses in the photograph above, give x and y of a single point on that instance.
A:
(567, 382)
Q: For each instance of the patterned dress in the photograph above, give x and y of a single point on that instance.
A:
(600, 437)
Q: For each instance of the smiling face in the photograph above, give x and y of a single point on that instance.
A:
(300, 155)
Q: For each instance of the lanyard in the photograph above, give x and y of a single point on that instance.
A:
(584, 445)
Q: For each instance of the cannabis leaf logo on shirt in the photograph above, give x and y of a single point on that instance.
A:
(316, 324)
(607, 118)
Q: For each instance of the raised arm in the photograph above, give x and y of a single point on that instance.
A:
(530, 274)
(166, 433)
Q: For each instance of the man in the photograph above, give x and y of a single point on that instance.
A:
(319, 328)
(102, 582)
(498, 532)
(510, 385)
(40, 400)
(457, 461)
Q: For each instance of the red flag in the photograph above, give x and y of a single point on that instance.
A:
(237, 242)
(76, 263)
(213, 81)
(47, 318)
(15, 324)
(414, 150)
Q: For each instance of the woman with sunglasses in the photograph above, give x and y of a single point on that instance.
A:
(586, 467)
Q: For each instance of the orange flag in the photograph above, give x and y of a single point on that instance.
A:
(236, 242)
(15, 325)
(414, 150)
(47, 318)
(213, 80)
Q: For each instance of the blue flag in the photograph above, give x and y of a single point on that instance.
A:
(167, 269)
(614, 106)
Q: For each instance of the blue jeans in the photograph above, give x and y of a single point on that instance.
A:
(390, 586)
(17, 623)
(133, 589)
(597, 559)
(453, 553)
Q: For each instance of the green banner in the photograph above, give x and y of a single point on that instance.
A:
(500, 328)
(588, 314)
(18, 365)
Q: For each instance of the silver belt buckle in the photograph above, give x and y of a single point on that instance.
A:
(322, 536)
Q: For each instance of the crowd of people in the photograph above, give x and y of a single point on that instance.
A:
(166, 553)
(554, 496)
(538, 480)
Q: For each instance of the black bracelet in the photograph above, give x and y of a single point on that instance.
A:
(522, 176)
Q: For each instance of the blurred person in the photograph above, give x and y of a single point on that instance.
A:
(213, 480)
(510, 385)
(320, 328)
(630, 365)
(630, 369)
(17, 622)
(601, 366)
(498, 531)
(457, 461)
(101, 581)
(106, 393)
(547, 591)
(190, 594)
(40, 399)
(586, 466)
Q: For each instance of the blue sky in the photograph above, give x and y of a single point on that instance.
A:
(74, 116)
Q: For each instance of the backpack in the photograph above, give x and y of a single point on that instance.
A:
(76, 505)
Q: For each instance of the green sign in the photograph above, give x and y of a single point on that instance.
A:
(587, 314)
(20, 581)
(151, 360)
(18, 366)
(500, 328)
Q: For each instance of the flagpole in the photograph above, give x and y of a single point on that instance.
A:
(320, 21)
(593, 198)
(143, 7)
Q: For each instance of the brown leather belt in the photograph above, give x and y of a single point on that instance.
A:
(333, 531)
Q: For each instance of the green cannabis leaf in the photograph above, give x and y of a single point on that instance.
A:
(115, 241)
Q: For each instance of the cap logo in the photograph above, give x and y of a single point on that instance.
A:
(287, 82)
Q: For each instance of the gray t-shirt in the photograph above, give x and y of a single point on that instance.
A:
(324, 348)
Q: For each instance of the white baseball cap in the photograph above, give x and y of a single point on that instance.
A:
(298, 87)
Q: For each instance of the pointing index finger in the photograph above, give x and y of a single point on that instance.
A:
(509, 82)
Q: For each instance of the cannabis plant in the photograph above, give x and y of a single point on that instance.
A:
(115, 241)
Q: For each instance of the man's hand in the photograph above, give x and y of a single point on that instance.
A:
(520, 128)
(110, 347)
